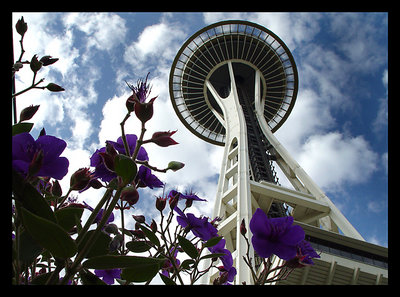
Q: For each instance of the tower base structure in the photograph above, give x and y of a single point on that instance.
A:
(345, 257)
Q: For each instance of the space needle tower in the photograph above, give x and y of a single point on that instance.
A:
(233, 84)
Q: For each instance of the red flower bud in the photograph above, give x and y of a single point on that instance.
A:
(130, 102)
(35, 64)
(54, 88)
(130, 195)
(28, 112)
(163, 138)
(56, 189)
(140, 218)
(173, 201)
(160, 203)
(153, 226)
(48, 60)
(21, 26)
(80, 179)
(243, 229)
(144, 111)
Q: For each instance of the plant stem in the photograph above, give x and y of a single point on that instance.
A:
(126, 146)
(139, 142)
(73, 269)
(106, 196)
(33, 86)
(123, 228)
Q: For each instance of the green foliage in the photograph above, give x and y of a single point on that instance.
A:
(49, 235)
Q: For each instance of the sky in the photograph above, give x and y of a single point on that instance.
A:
(337, 130)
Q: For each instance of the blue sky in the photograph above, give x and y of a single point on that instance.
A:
(337, 131)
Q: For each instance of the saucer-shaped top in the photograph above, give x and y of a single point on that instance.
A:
(249, 47)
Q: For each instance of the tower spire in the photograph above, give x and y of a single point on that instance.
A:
(234, 83)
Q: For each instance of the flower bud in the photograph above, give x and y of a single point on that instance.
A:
(116, 242)
(173, 201)
(175, 165)
(163, 138)
(130, 195)
(95, 184)
(138, 233)
(56, 189)
(80, 179)
(35, 64)
(54, 88)
(48, 60)
(130, 102)
(153, 226)
(108, 161)
(21, 26)
(144, 111)
(111, 228)
(243, 229)
(160, 203)
(28, 112)
(140, 218)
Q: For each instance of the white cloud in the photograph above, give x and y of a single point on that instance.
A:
(360, 37)
(292, 28)
(334, 160)
(104, 30)
(156, 43)
(381, 120)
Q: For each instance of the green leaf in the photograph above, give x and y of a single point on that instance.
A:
(167, 280)
(150, 235)
(29, 250)
(99, 248)
(68, 216)
(125, 167)
(29, 198)
(117, 261)
(186, 263)
(21, 127)
(216, 255)
(188, 247)
(212, 241)
(144, 270)
(49, 235)
(137, 246)
(89, 278)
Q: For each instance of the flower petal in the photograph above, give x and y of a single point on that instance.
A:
(259, 223)
(56, 168)
(52, 146)
(293, 235)
(20, 147)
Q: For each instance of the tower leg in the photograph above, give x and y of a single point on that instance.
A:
(233, 201)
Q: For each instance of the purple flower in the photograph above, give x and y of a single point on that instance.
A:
(190, 197)
(205, 230)
(304, 255)
(25, 151)
(96, 161)
(168, 266)
(200, 227)
(108, 275)
(145, 176)
(99, 216)
(275, 236)
(141, 90)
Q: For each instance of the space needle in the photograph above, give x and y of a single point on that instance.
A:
(234, 83)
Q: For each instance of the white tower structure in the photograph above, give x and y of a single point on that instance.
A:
(234, 83)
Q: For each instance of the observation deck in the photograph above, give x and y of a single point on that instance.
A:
(250, 47)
